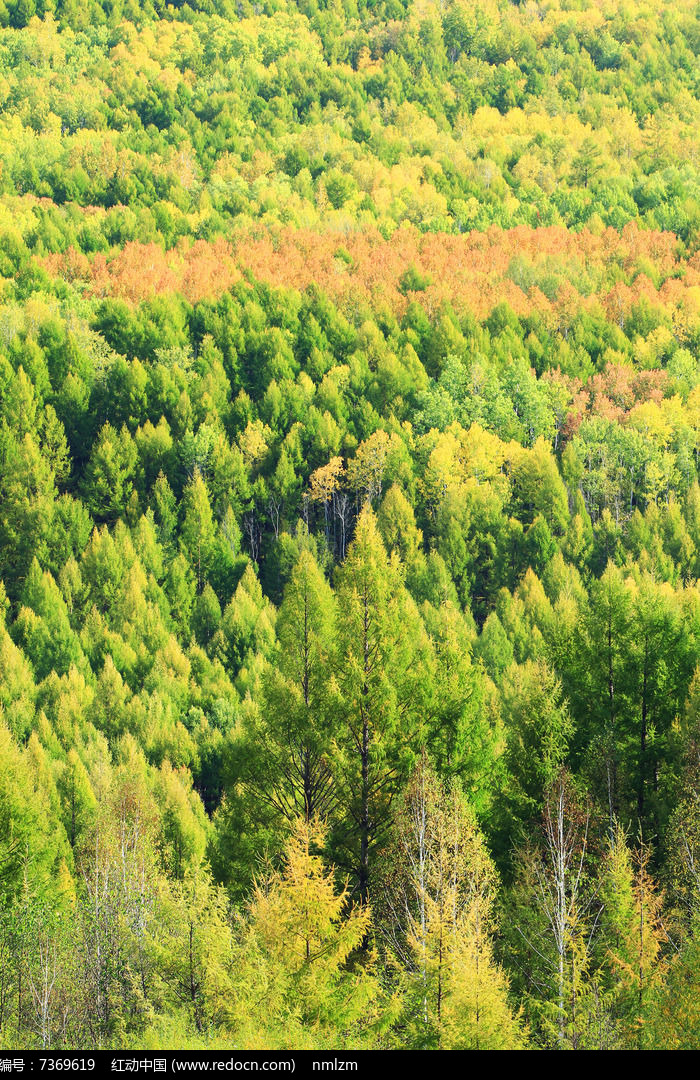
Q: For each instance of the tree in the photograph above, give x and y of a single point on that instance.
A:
(27, 492)
(374, 457)
(397, 524)
(110, 474)
(43, 628)
(672, 1016)
(463, 733)
(378, 660)
(632, 934)
(190, 945)
(586, 164)
(78, 802)
(538, 728)
(326, 488)
(292, 759)
(603, 671)
(296, 948)
(31, 847)
(197, 533)
(658, 689)
(561, 885)
(549, 924)
(437, 912)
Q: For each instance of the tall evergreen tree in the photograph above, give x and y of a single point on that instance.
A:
(380, 651)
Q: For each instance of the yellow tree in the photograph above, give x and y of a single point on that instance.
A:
(439, 892)
(295, 983)
(326, 484)
(633, 933)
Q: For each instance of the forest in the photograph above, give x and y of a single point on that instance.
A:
(349, 524)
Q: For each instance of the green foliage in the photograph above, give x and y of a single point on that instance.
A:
(349, 525)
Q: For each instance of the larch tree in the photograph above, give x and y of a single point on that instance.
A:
(297, 945)
(380, 645)
(198, 531)
(438, 889)
(550, 919)
(632, 934)
(600, 676)
(295, 722)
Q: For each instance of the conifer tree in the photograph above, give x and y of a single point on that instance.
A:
(380, 652)
(437, 912)
(198, 532)
(291, 742)
(632, 934)
(297, 944)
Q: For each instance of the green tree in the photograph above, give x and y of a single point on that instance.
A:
(198, 532)
(380, 656)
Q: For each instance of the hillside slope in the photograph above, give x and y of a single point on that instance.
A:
(349, 524)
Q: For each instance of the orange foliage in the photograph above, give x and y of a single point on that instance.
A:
(138, 271)
(471, 270)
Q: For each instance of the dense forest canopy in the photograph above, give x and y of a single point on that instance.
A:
(349, 524)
